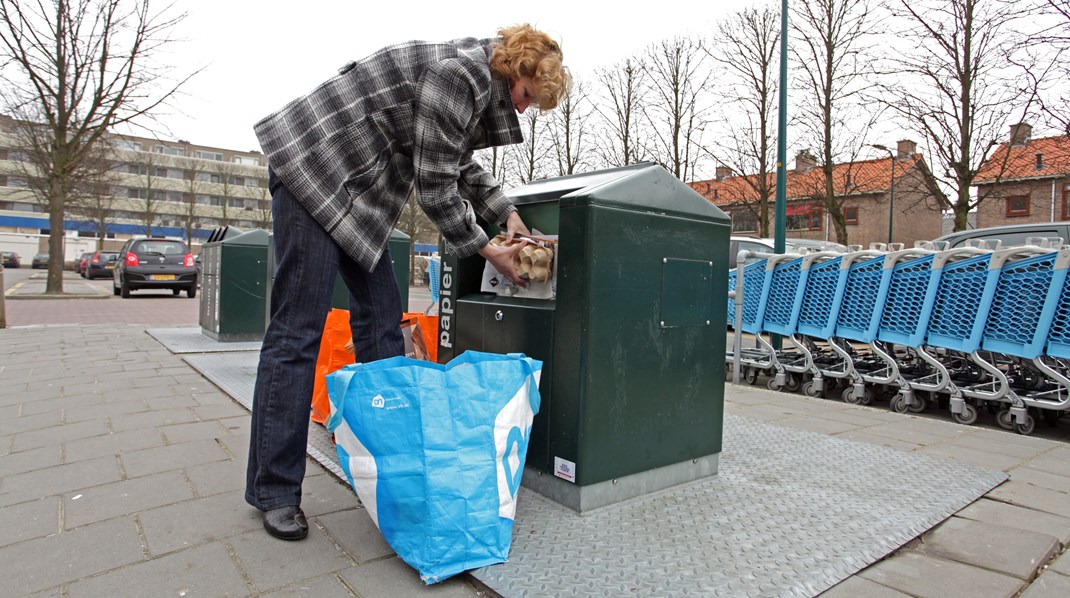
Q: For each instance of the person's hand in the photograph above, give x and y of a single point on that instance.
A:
(501, 257)
(515, 227)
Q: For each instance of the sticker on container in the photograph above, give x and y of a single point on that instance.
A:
(566, 470)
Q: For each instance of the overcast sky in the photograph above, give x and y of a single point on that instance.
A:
(258, 55)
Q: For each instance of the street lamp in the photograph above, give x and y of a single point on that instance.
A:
(891, 191)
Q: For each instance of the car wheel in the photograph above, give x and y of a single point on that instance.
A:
(175, 292)
(114, 288)
(191, 292)
(125, 291)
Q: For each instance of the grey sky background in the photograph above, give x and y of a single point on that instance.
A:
(258, 55)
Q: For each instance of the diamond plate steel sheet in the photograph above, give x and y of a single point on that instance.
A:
(191, 340)
(791, 513)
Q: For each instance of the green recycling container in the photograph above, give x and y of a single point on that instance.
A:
(235, 286)
(399, 245)
(632, 343)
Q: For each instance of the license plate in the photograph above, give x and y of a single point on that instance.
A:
(161, 276)
(109, 267)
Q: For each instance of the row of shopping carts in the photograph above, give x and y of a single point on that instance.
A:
(975, 328)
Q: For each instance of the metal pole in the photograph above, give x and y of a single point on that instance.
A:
(891, 191)
(782, 146)
(782, 135)
(3, 310)
(737, 297)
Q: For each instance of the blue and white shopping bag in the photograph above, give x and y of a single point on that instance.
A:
(436, 452)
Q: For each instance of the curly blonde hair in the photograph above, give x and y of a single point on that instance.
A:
(527, 52)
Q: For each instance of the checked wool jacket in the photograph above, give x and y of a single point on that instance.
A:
(405, 118)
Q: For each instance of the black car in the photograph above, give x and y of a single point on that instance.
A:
(155, 264)
(10, 259)
(100, 264)
(40, 260)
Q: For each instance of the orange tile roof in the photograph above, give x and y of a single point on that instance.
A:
(867, 176)
(1022, 162)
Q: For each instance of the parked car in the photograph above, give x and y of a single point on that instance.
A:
(155, 264)
(100, 264)
(40, 260)
(766, 246)
(10, 259)
(1011, 234)
(82, 262)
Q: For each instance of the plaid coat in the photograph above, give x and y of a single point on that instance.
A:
(408, 116)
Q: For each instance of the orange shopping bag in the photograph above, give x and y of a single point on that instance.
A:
(333, 356)
(425, 343)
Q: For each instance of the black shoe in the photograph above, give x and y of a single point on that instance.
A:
(286, 523)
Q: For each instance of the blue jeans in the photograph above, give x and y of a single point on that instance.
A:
(306, 263)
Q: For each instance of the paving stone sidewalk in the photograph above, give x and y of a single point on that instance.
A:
(122, 468)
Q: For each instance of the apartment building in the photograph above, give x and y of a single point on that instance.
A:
(899, 189)
(154, 187)
(1025, 180)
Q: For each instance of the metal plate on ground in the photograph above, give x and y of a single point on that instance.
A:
(791, 513)
(235, 374)
(192, 340)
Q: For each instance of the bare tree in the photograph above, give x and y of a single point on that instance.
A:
(227, 172)
(747, 51)
(497, 162)
(1056, 38)
(831, 54)
(678, 75)
(967, 81)
(262, 214)
(193, 187)
(568, 130)
(415, 223)
(623, 86)
(531, 154)
(149, 174)
(79, 67)
(96, 192)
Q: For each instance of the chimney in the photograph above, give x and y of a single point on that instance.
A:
(804, 161)
(906, 149)
(1020, 133)
(723, 172)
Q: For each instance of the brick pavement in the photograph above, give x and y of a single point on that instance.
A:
(107, 440)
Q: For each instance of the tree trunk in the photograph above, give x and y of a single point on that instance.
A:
(54, 286)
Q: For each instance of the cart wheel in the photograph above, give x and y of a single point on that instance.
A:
(772, 385)
(898, 403)
(1025, 429)
(848, 396)
(750, 375)
(920, 404)
(793, 383)
(810, 389)
(868, 396)
(968, 416)
(1005, 419)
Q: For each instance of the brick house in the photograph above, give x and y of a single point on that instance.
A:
(1025, 180)
(864, 186)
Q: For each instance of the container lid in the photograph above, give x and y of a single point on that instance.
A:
(638, 187)
(257, 237)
